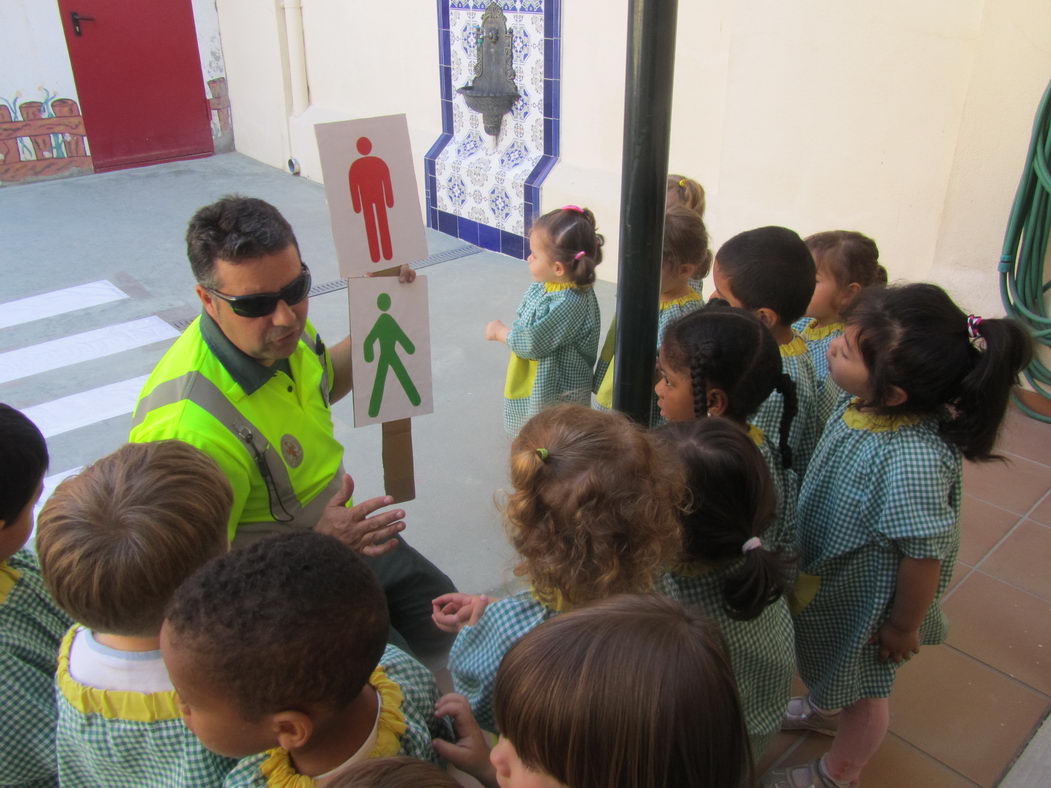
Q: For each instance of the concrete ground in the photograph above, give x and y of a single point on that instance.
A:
(962, 713)
(127, 227)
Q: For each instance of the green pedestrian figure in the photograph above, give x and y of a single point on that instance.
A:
(388, 333)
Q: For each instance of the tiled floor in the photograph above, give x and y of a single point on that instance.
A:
(963, 712)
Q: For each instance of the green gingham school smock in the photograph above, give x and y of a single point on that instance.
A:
(419, 696)
(761, 650)
(817, 342)
(804, 430)
(553, 343)
(477, 651)
(785, 487)
(880, 488)
(31, 628)
(118, 739)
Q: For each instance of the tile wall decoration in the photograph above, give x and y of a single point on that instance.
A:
(489, 194)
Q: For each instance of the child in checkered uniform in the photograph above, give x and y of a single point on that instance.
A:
(115, 541)
(628, 691)
(554, 339)
(31, 624)
(879, 509)
(593, 513)
(722, 361)
(847, 262)
(279, 653)
(728, 572)
(686, 256)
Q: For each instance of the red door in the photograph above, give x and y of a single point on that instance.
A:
(138, 75)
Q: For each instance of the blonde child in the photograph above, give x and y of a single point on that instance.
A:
(879, 510)
(279, 655)
(721, 361)
(689, 194)
(728, 571)
(31, 624)
(769, 271)
(685, 257)
(847, 262)
(554, 339)
(632, 691)
(592, 514)
(115, 541)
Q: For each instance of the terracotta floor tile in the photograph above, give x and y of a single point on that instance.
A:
(1015, 484)
(1042, 513)
(782, 743)
(958, 573)
(981, 526)
(1026, 437)
(1003, 627)
(900, 764)
(964, 714)
(1023, 559)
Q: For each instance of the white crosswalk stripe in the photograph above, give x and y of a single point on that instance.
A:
(58, 302)
(86, 407)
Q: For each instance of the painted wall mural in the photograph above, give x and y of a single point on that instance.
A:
(489, 194)
(41, 138)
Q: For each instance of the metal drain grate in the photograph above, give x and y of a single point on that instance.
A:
(341, 284)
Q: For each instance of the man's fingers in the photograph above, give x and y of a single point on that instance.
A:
(365, 508)
(380, 549)
(346, 490)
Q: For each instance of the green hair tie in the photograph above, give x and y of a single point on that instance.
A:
(543, 454)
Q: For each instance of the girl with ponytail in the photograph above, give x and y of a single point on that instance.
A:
(722, 361)
(728, 570)
(879, 509)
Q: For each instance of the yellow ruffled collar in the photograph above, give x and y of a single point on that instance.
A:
(554, 287)
(797, 347)
(686, 299)
(8, 578)
(813, 333)
(876, 422)
(756, 434)
(552, 600)
(279, 772)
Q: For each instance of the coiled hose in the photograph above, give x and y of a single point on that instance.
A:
(1023, 282)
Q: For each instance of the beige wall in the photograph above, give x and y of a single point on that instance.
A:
(906, 119)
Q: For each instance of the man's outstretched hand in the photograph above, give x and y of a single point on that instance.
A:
(355, 528)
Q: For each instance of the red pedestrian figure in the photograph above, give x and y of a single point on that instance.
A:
(371, 192)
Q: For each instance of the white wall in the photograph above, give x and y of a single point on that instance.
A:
(33, 56)
(906, 119)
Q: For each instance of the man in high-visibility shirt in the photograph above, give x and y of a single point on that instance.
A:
(250, 383)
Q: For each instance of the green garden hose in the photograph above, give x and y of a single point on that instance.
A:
(1023, 282)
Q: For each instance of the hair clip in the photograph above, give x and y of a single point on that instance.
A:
(543, 454)
(579, 254)
(974, 323)
(682, 183)
(574, 208)
(752, 544)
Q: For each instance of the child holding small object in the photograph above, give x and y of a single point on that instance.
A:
(880, 508)
(728, 571)
(592, 514)
(279, 655)
(115, 541)
(770, 271)
(554, 339)
(632, 691)
(721, 361)
(31, 624)
(685, 258)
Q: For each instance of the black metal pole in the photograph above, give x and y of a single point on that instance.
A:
(647, 131)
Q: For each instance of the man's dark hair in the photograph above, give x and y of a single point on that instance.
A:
(235, 228)
(23, 460)
(771, 268)
(292, 621)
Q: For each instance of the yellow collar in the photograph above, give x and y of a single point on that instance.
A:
(686, 299)
(552, 600)
(812, 333)
(8, 579)
(279, 771)
(554, 287)
(877, 422)
(756, 434)
(797, 347)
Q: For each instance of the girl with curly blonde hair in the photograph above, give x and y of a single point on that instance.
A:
(593, 513)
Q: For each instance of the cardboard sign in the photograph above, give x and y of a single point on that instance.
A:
(391, 346)
(371, 189)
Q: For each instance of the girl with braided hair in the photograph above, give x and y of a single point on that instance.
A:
(722, 361)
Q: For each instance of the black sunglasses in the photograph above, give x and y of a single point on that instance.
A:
(262, 304)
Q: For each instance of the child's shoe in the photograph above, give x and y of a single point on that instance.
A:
(802, 715)
(807, 775)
